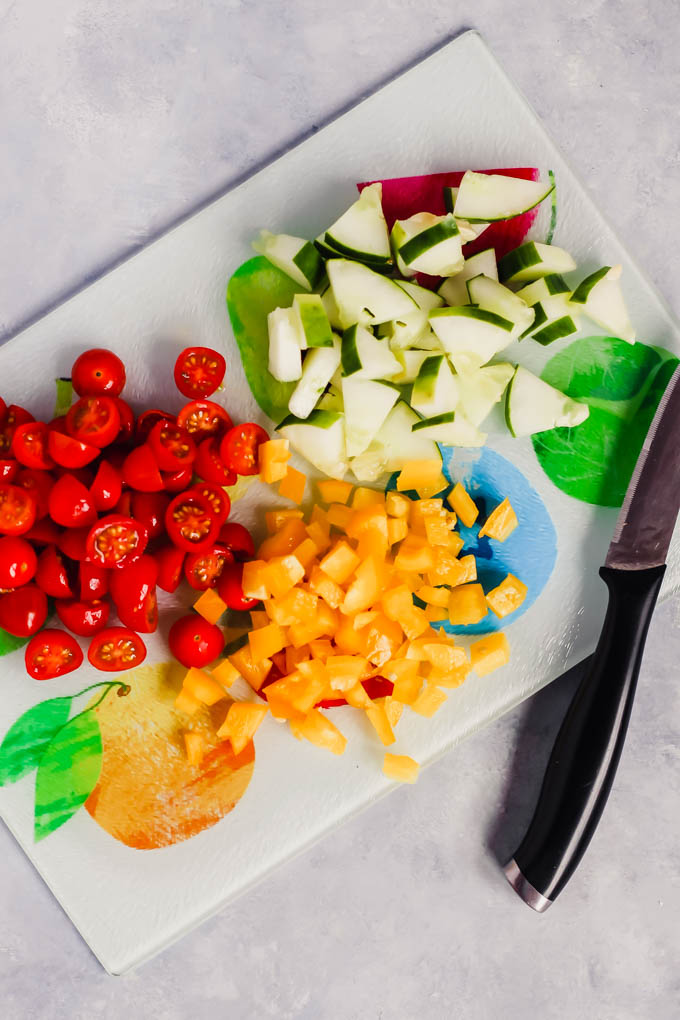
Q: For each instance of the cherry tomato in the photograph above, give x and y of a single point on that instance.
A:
(203, 569)
(23, 612)
(8, 470)
(106, 487)
(84, 475)
(70, 452)
(18, 562)
(94, 581)
(190, 522)
(178, 481)
(149, 509)
(203, 418)
(116, 455)
(238, 448)
(133, 590)
(169, 560)
(70, 503)
(51, 575)
(199, 371)
(216, 496)
(195, 642)
(3, 411)
(83, 618)
(52, 653)
(58, 424)
(29, 445)
(127, 419)
(39, 484)
(230, 588)
(140, 470)
(124, 504)
(94, 420)
(44, 532)
(147, 420)
(15, 416)
(116, 541)
(98, 371)
(116, 648)
(17, 509)
(172, 447)
(237, 539)
(209, 465)
(73, 543)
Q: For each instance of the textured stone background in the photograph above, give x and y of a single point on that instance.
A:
(115, 119)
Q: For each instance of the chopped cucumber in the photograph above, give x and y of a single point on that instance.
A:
(285, 344)
(427, 341)
(411, 363)
(451, 429)
(366, 357)
(325, 250)
(321, 439)
(361, 232)
(470, 336)
(328, 301)
(494, 297)
(315, 325)
(367, 404)
(482, 389)
(317, 370)
(532, 405)
(364, 296)
(406, 330)
(470, 231)
(435, 389)
(554, 318)
(294, 256)
(426, 243)
(489, 197)
(600, 297)
(533, 260)
(424, 298)
(545, 287)
(394, 445)
(454, 289)
(450, 196)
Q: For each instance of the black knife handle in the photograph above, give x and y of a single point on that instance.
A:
(583, 762)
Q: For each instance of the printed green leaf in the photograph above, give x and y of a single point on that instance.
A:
(602, 367)
(257, 288)
(10, 643)
(68, 773)
(25, 742)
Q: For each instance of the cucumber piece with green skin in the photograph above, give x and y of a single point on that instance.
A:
(294, 256)
(320, 439)
(325, 250)
(427, 341)
(317, 370)
(470, 336)
(454, 289)
(285, 344)
(450, 196)
(411, 362)
(450, 429)
(494, 197)
(435, 390)
(555, 330)
(546, 287)
(599, 297)
(424, 298)
(482, 389)
(316, 328)
(394, 445)
(531, 405)
(405, 331)
(367, 404)
(548, 313)
(364, 296)
(494, 297)
(361, 232)
(331, 309)
(366, 357)
(425, 243)
(470, 231)
(532, 260)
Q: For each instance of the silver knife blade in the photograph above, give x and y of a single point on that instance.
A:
(645, 526)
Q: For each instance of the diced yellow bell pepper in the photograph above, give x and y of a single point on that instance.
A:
(463, 505)
(321, 648)
(290, 534)
(275, 519)
(370, 518)
(345, 671)
(187, 703)
(397, 505)
(306, 553)
(202, 686)
(273, 457)
(225, 673)
(377, 717)
(396, 601)
(433, 596)
(258, 618)
(383, 639)
(283, 572)
(507, 596)
(357, 697)
(320, 536)
(254, 579)
(467, 604)
(469, 564)
(320, 731)
(455, 542)
(333, 491)
(429, 701)
(210, 606)
(314, 685)
(436, 614)
(414, 554)
(364, 619)
(294, 656)
(292, 485)
(404, 675)
(297, 606)
(255, 673)
(374, 543)
(266, 641)
(364, 589)
(437, 531)
(393, 709)
(195, 745)
(446, 568)
(490, 652)
(339, 516)
(348, 640)
(326, 588)
(364, 497)
(340, 563)
(397, 529)
(500, 523)
(425, 476)
(445, 657)
(240, 724)
(449, 678)
(400, 767)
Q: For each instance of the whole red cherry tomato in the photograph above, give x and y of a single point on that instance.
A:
(94, 581)
(83, 618)
(147, 420)
(216, 496)
(238, 448)
(133, 590)
(52, 653)
(237, 539)
(172, 446)
(8, 470)
(51, 575)
(209, 464)
(116, 648)
(149, 509)
(195, 642)
(127, 419)
(203, 569)
(190, 522)
(73, 543)
(30, 445)
(230, 587)
(98, 371)
(106, 486)
(23, 611)
(140, 470)
(17, 509)
(204, 418)
(70, 452)
(199, 371)
(116, 541)
(94, 420)
(70, 503)
(18, 562)
(39, 484)
(178, 481)
(169, 560)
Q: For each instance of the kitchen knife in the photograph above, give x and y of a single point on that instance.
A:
(586, 753)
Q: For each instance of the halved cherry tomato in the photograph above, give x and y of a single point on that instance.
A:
(218, 498)
(127, 419)
(199, 371)
(85, 475)
(190, 522)
(147, 420)
(51, 575)
(17, 509)
(149, 509)
(94, 581)
(3, 412)
(70, 452)
(8, 470)
(230, 588)
(98, 371)
(172, 446)
(178, 481)
(195, 642)
(124, 504)
(169, 560)
(73, 543)
(83, 618)
(237, 539)
(58, 424)
(44, 532)
(238, 448)
(140, 470)
(52, 653)
(116, 541)
(116, 455)
(203, 569)
(94, 420)
(106, 487)
(209, 465)
(116, 648)
(39, 484)
(29, 445)
(133, 590)
(203, 418)
(70, 503)
(23, 611)
(18, 562)
(15, 416)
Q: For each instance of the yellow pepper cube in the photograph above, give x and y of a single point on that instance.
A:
(210, 606)
(414, 554)
(258, 618)
(489, 653)
(339, 516)
(455, 542)
(364, 589)
(500, 523)
(463, 505)
(291, 533)
(436, 614)
(445, 656)
(433, 596)
(369, 518)
(446, 568)
(404, 675)
(320, 536)
(294, 656)
(467, 604)
(273, 457)
(195, 745)
(374, 543)
(254, 579)
(393, 709)
(254, 673)
(365, 497)
(333, 491)
(296, 606)
(320, 648)
(202, 686)
(397, 529)
(225, 673)
(320, 731)
(187, 703)
(345, 671)
(421, 475)
(437, 531)
(292, 485)
(283, 573)
(357, 697)
(340, 563)
(313, 686)
(240, 724)
(397, 602)
(383, 639)
(326, 588)
(266, 641)
(397, 505)
(507, 596)
(469, 565)
(429, 701)
(306, 552)
(377, 717)
(362, 620)
(414, 623)
(275, 519)
(449, 678)
(400, 767)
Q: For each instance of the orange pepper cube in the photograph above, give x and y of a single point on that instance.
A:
(469, 563)
(489, 653)
(326, 588)
(273, 459)
(349, 640)
(283, 572)
(254, 580)
(436, 614)
(313, 685)
(294, 656)
(445, 656)
(296, 606)
(306, 552)
(321, 648)
(507, 596)
(291, 533)
(396, 602)
(187, 703)
(374, 543)
(202, 686)
(357, 697)
(240, 724)
(446, 568)
(429, 701)
(407, 683)
(195, 745)
(383, 638)
(340, 563)
(500, 523)
(275, 519)
(433, 596)
(254, 673)
(400, 767)
(319, 536)
(345, 671)
(370, 518)
(414, 554)
(463, 505)
(210, 606)
(365, 497)
(455, 542)
(437, 531)
(425, 476)
(397, 529)
(397, 505)
(339, 515)
(467, 604)
(266, 641)
(393, 709)
(225, 673)
(450, 678)
(333, 491)
(292, 485)
(364, 589)
(321, 732)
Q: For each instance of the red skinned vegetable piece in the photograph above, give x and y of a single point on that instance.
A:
(51, 575)
(195, 642)
(133, 590)
(170, 561)
(149, 509)
(8, 470)
(230, 587)
(172, 446)
(70, 503)
(209, 464)
(178, 481)
(238, 539)
(124, 504)
(73, 543)
(116, 541)
(98, 371)
(140, 470)
(17, 415)
(217, 497)
(39, 484)
(23, 611)
(127, 419)
(202, 570)
(115, 649)
(106, 487)
(147, 420)
(30, 445)
(3, 412)
(44, 532)
(94, 420)
(18, 562)
(204, 418)
(190, 522)
(239, 446)
(58, 424)
(93, 580)
(377, 687)
(83, 618)
(199, 371)
(18, 509)
(52, 653)
(69, 452)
